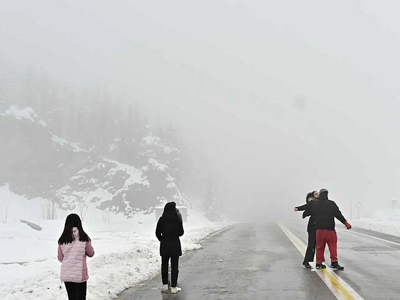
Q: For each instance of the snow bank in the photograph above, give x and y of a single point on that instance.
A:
(126, 251)
(19, 207)
(384, 221)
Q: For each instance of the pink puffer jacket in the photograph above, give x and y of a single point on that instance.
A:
(73, 259)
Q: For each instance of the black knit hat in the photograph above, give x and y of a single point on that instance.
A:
(321, 191)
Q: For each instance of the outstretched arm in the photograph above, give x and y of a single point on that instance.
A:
(302, 207)
(338, 214)
(340, 217)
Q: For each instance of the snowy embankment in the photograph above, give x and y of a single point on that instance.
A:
(126, 251)
(385, 221)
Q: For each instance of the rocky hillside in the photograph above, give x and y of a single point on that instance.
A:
(130, 175)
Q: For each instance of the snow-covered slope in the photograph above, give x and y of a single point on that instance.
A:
(385, 220)
(38, 163)
(127, 250)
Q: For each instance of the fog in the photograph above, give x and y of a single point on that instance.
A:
(282, 97)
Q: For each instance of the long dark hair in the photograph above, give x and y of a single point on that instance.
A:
(72, 221)
(310, 195)
(170, 211)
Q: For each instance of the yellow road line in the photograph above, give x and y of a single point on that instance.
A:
(336, 284)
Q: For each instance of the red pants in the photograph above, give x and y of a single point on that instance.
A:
(326, 237)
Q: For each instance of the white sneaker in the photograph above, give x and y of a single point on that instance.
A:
(175, 290)
(164, 288)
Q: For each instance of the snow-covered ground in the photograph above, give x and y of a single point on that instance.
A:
(384, 220)
(126, 250)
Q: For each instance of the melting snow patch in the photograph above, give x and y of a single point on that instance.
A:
(169, 178)
(157, 165)
(167, 150)
(171, 185)
(19, 114)
(63, 142)
(43, 123)
(77, 148)
(58, 140)
(151, 140)
(135, 175)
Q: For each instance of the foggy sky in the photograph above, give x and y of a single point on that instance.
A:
(283, 96)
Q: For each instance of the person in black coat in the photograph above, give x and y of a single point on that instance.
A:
(169, 229)
(312, 233)
(324, 212)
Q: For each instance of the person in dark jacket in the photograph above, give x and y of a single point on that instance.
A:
(312, 235)
(324, 212)
(169, 229)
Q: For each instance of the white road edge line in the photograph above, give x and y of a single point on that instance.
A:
(370, 236)
(351, 294)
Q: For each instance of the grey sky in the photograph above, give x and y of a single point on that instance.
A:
(230, 74)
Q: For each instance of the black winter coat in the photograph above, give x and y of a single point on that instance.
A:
(311, 221)
(324, 212)
(169, 229)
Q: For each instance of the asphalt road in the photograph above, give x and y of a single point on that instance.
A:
(249, 261)
(259, 261)
(371, 261)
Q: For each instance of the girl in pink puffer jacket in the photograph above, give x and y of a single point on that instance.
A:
(73, 247)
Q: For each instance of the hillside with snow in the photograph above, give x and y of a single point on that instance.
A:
(38, 163)
(113, 174)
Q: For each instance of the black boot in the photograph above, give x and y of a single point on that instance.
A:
(335, 265)
(320, 266)
(307, 264)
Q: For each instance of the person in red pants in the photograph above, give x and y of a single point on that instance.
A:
(324, 212)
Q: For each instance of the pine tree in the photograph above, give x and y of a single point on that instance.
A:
(129, 142)
(72, 119)
(5, 92)
(27, 93)
(172, 153)
(117, 121)
(211, 201)
(133, 123)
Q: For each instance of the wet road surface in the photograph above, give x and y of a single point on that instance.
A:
(249, 261)
(371, 261)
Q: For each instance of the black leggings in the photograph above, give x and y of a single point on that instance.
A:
(174, 270)
(76, 291)
(312, 240)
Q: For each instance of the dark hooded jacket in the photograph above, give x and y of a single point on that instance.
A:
(324, 212)
(311, 222)
(169, 229)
